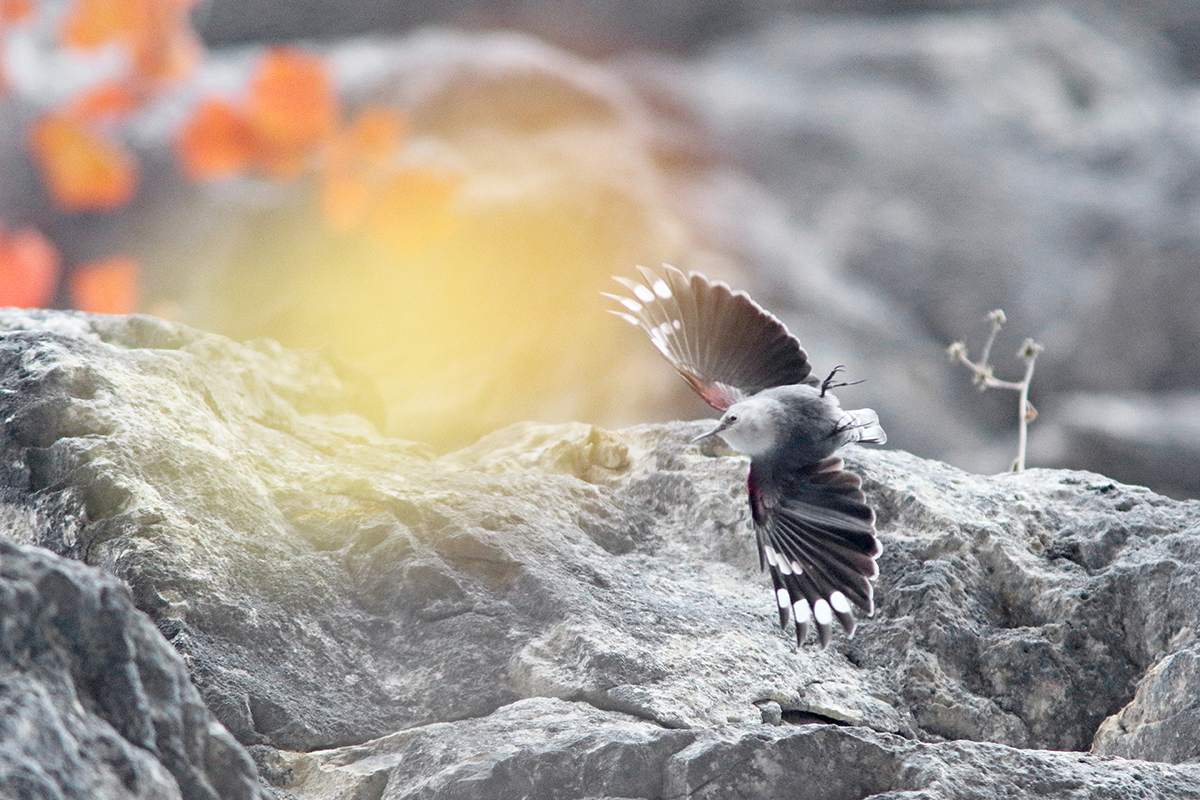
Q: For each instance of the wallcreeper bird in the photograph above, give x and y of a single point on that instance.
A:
(816, 534)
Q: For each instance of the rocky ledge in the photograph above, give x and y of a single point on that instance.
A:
(556, 611)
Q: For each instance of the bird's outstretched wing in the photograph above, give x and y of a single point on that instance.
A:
(727, 346)
(817, 537)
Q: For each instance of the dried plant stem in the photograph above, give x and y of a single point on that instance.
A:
(1027, 413)
(983, 376)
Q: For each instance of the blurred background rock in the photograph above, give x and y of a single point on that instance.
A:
(880, 175)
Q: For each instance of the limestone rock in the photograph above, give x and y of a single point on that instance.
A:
(554, 749)
(93, 702)
(1161, 720)
(329, 587)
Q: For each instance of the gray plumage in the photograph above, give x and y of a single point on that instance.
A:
(815, 532)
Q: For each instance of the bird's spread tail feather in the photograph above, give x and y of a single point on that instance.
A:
(863, 426)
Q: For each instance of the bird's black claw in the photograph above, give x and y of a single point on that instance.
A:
(829, 383)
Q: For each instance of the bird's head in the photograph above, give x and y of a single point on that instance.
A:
(750, 426)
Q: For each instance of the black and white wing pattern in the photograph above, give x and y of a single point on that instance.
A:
(817, 538)
(727, 346)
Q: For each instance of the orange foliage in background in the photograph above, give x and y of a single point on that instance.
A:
(402, 206)
(15, 10)
(216, 141)
(106, 287)
(290, 110)
(85, 170)
(356, 158)
(106, 102)
(82, 170)
(287, 125)
(29, 266)
(156, 33)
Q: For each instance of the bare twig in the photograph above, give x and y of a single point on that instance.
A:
(983, 377)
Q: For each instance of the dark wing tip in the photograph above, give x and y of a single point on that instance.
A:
(804, 600)
(819, 543)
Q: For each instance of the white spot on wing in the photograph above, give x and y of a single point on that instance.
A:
(643, 294)
(803, 611)
(839, 602)
(631, 304)
(822, 612)
(661, 289)
(658, 341)
(796, 568)
(676, 324)
(772, 559)
(781, 596)
(783, 566)
(630, 318)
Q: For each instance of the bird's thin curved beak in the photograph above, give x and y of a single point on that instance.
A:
(720, 427)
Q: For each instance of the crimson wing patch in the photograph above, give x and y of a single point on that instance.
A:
(817, 538)
(724, 344)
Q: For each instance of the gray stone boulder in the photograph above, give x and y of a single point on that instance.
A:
(93, 702)
(554, 749)
(565, 611)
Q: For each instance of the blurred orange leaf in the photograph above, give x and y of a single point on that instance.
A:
(157, 33)
(82, 171)
(289, 111)
(355, 164)
(109, 286)
(16, 10)
(372, 139)
(91, 23)
(29, 267)
(216, 141)
(415, 208)
(170, 52)
(110, 99)
(291, 106)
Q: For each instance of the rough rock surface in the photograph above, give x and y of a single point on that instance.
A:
(329, 587)
(93, 702)
(554, 749)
